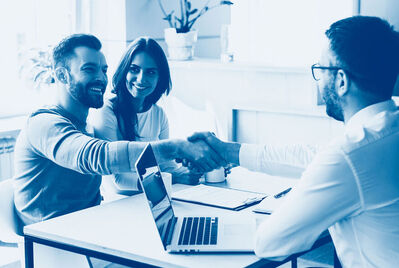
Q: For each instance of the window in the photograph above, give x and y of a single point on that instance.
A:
(26, 25)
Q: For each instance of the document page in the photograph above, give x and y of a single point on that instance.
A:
(218, 197)
(272, 202)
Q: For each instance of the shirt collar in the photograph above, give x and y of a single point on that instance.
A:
(365, 114)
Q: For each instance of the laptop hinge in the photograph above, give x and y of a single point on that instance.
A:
(170, 230)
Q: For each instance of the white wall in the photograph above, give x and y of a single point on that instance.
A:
(387, 9)
(118, 22)
(283, 32)
(276, 105)
(106, 19)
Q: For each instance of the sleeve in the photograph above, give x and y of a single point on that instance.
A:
(279, 160)
(56, 138)
(326, 193)
(106, 127)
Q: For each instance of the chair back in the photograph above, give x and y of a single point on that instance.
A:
(9, 221)
(185, 120)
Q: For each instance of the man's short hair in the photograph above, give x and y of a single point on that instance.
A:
(65, 49)
(368, 49)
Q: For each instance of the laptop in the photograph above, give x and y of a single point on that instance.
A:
(190, 233)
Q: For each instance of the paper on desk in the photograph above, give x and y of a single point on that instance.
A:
(218, 197)
(272, 202)
(269, 204)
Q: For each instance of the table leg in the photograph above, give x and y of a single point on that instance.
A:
(294, 263)
(28, 253)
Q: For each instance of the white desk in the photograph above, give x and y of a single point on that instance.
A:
(123, 231)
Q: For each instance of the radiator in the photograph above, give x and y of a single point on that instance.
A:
(6, 157)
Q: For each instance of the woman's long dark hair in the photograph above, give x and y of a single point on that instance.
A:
(122, 102)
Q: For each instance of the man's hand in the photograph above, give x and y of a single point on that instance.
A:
(229, 151)
(200, 155)
(211, 140)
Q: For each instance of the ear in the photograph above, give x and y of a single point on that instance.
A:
(342, 83)
(62, 75)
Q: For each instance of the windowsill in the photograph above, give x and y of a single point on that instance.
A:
(11, 126)
(312, 111)
(208, 63)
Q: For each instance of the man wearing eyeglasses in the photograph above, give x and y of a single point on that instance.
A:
(351, 187)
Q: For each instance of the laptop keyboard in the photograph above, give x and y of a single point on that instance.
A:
(198, 231)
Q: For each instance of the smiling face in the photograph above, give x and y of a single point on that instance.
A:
(142, 77)
(88, 76)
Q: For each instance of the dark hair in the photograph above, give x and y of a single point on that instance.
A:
(127, 118)
(368, 49)
(65, 49)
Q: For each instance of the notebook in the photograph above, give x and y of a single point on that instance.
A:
(190, 233)
(218, 197)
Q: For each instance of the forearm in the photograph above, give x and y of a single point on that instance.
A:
(88, 155)
(166, 150)
(172, 168)
(56, 138)
(231, 152)
(281, 160)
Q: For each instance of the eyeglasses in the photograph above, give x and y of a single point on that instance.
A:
(316, 70)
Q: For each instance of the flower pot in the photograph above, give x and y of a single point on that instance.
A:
(180, 45)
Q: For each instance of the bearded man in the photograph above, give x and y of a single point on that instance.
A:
(350, 187)
(58, 164)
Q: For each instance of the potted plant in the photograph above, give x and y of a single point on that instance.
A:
(180, 37)
(35, 67)
(36, 72)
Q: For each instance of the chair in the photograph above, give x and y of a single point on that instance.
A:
(9, 222)
(10, 225)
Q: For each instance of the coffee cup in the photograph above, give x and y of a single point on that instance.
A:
(214, 176)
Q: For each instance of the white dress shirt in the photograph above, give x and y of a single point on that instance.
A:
(350, 187)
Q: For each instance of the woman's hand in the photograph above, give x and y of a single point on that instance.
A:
(186, 176)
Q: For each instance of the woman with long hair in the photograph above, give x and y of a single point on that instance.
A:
(132, 114)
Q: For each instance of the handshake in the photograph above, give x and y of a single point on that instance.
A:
(204, 152)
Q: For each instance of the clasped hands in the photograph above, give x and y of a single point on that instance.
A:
(203, 152)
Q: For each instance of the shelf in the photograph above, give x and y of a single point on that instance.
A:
(216, 64)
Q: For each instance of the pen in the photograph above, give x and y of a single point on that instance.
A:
(252, 200)
(282, 193)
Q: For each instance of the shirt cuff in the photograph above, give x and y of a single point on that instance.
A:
(248, 156)
(119, 157)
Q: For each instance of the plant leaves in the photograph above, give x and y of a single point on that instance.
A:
(179, 20)
(226, 3)
(193, 11)
(184, 23)
(169, 16)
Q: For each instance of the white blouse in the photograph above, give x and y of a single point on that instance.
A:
(152, 125)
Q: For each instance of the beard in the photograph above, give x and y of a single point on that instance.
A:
(333, 103)
(82, 93)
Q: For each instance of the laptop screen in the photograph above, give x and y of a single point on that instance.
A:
(155, 191)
